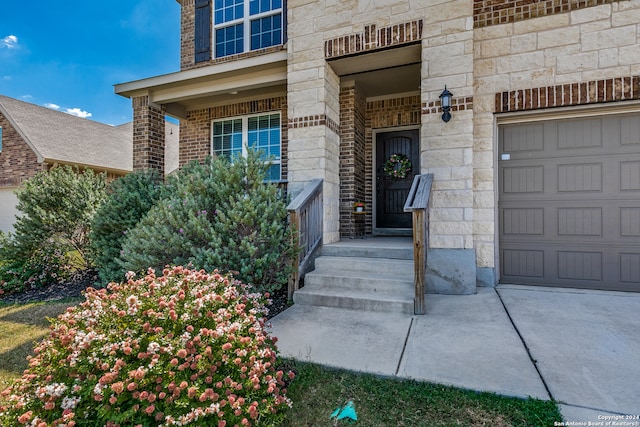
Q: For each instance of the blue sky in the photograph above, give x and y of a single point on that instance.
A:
(68, 54)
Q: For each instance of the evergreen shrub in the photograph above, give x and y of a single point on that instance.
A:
(51, 235)
(217, 215)
(128, 200)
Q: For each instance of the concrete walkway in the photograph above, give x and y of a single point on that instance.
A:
(585, 344)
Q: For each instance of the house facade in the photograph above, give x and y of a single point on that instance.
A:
(536, 174)
(35, 139)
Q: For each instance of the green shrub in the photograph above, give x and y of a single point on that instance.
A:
(52, 230)
(186, 348)
(128, 200)
(217, 215)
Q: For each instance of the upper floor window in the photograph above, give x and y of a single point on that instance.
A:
(232, 137)
(0, 138)
(244, 25)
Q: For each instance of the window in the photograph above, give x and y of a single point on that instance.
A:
(243, 25)
(232, 137)
(0, 138)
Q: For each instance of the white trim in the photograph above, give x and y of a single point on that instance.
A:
(238, 68)
(245, 134)
(246, 20)
(558, 113)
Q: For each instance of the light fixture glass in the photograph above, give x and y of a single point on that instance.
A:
(445, 103)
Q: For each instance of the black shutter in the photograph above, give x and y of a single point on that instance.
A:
(203, 31)
(284, 21)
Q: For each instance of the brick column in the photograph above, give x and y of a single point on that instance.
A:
(352, 155)
(148, 135)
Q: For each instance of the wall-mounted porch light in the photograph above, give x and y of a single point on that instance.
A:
(445, 103)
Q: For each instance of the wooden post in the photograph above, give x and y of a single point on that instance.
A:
(294, 280)
(419, 259)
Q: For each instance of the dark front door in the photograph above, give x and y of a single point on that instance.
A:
(392, 188)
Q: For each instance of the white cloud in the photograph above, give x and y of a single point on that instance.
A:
(9, 42)
(78, 112)
(52, 106)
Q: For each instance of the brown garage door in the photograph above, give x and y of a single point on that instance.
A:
(569, 202)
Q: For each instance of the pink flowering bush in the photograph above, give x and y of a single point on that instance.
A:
(185, 348)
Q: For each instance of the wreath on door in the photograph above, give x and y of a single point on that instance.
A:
(398, 166)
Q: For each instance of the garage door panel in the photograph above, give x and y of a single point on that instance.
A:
(585, 135)
(579, 221)
(527, 179)
(527, 221)
(523, 263)
(579, 265)
(579, 177)
(630, 176)
(629, 130)
(630, 268)
(570, 213)
(629, 222)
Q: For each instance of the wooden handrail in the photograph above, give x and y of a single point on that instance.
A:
(418, 203)
(305, 214)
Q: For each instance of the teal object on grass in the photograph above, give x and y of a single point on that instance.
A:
(347, 411)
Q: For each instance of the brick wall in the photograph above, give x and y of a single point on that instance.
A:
(148, 135)
(495, 12)
(565, 95)
(352, 156)
(187, 42)
(17, 161)
(195, 131)
(187, 35)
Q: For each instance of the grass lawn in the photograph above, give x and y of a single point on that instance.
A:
(317, 391)
(20, 326)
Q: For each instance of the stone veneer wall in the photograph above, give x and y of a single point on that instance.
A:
(195, 131)
(17, 160)
(569, 53)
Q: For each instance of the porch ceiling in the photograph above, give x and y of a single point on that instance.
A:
(383, 72)
(218, 84)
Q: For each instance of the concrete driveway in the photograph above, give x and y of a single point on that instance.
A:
(581, 348)
(586, 345)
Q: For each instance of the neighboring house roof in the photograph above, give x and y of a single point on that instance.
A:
(55, 136)
(171, 148)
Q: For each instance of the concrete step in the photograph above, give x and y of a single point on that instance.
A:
(356, 281)
(330, 296)
(367, 267)
(392, 249)
(370, 274)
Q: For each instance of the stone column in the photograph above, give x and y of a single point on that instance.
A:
(148, 135)
(313, 110)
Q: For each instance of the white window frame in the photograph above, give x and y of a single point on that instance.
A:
(245, 136)
(246, 20)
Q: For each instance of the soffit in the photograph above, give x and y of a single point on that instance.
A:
(383, 72)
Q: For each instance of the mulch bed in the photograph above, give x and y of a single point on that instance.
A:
(76, 284)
